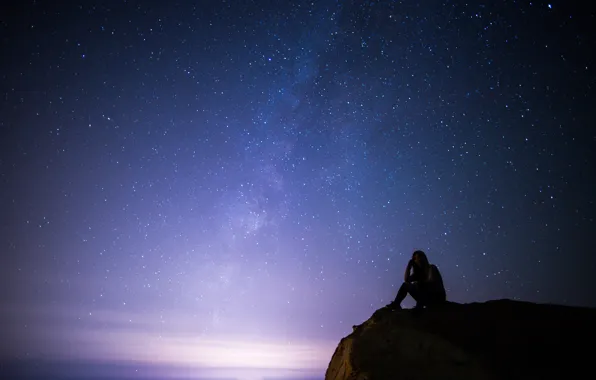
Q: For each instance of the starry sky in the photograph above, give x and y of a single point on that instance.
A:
(234, 184)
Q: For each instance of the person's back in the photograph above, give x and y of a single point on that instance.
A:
(437, 286)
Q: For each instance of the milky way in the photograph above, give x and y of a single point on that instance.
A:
(236, 184)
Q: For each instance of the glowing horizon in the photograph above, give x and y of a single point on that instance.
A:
(135, 337)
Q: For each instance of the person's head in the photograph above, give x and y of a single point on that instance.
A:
(420, 259)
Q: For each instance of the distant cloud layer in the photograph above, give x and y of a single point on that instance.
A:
(105, 335)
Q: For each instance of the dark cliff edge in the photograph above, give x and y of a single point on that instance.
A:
(500, 339)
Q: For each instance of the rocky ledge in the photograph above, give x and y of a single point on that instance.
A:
(500, 339)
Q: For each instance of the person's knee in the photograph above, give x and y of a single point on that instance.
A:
(414, 290)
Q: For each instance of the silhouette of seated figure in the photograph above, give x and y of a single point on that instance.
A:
(422, 281)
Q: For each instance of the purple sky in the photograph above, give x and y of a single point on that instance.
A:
(235, 186)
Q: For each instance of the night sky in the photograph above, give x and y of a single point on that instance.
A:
(237, 183)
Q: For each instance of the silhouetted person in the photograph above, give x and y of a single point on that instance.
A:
(422, 281)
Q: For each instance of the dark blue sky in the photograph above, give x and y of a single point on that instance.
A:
(235, 184)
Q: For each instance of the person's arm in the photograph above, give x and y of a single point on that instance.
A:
(408, 270)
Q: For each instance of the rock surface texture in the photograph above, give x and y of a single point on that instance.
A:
(493, 340)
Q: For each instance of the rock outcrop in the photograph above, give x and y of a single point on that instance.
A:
(501, 339)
